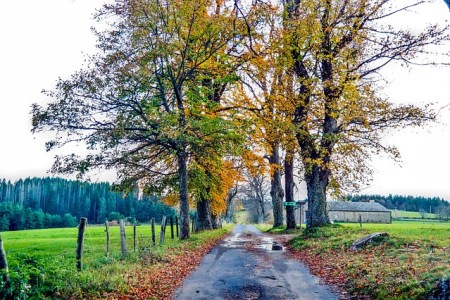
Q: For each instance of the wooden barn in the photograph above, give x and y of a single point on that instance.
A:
(369, 212)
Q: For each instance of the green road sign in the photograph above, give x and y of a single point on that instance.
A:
(289, 203)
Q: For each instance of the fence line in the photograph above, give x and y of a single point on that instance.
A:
(3, 260)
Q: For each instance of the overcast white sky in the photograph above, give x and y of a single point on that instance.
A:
(42, 40)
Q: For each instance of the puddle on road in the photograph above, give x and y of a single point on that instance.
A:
(265, 243)
(268, 244)
(236, 241)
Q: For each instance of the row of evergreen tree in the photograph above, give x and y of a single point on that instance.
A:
(15, 217)
(409, 203)
(96, 201)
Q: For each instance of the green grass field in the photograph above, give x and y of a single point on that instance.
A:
(42, 262)
(404, 265)
(413, 215)
(432, 233)
(43, 266)
(62, 242)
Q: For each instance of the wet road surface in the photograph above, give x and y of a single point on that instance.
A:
(244, 266)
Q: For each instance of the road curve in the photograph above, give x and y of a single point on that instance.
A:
(243, 266)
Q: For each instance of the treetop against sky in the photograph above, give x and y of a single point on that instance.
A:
(58, 52)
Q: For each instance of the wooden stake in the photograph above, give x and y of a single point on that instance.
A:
(163, 230)
(80, 243)
(123, 238)
(134, 237)
(171, 227)
(3, 260)
(360, 221)
(153, 232)
(176, 225)
(108, 239)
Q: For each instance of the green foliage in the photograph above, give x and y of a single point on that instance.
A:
(45, 203)
(115, 216)
(34, 279)
(148, 106)
(68, 221)
(15, 217)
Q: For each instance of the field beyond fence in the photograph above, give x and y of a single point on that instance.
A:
(42, 263)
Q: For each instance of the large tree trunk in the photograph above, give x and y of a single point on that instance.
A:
(311, 148)
(276, 189)
(263, 212)
(316, 183)
(184, 200)
(230, 207)
(204, 214)
(215, 221)
(289, 188)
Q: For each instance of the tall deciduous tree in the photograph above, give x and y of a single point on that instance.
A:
(336, 49)
(262, 99)
(140, 106)
(256, 189)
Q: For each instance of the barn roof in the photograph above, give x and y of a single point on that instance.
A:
(355, 206)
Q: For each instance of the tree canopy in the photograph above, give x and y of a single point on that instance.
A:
(180, 85)
(336, 50)
(145, 106)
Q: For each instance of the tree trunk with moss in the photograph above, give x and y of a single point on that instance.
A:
(203, 215)
(184, 200)
(289, 190)
(317, 182)
(276, 188)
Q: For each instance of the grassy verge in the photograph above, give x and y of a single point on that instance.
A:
(404, 265)
(42, 262)
(264, 227)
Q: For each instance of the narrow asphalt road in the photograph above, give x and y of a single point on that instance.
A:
(244, 266)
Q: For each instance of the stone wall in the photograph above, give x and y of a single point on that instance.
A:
(366, 217)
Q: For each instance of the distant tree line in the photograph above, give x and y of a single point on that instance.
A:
(15, 217)
(409, 203)
(58, 197)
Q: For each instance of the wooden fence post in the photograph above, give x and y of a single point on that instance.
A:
(171, 227)
(108, 239)
(153, 232)
(123, 238)
(134, 237)
(360, 221)
(176, 226)
(3, 260)
(163, 230)
(80, 243)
